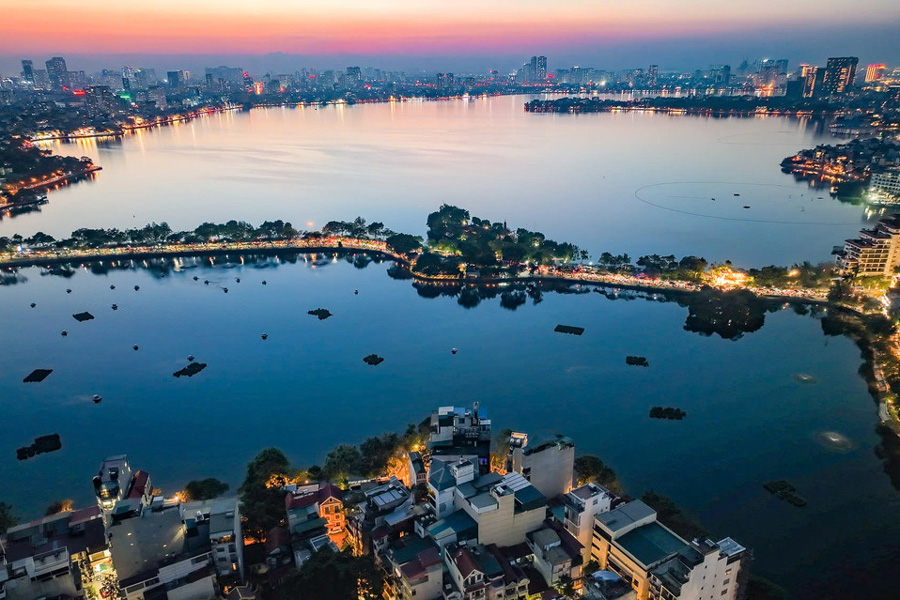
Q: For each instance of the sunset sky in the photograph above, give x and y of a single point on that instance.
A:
(677, 29)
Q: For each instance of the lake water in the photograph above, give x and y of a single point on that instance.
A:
(628, 182)
(306, 389)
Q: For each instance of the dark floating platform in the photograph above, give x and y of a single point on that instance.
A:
(137, 287)
(42, 444)
(65, 333)
(667, 412)
(68, 291)
(33, 305)
(191, 358)
(637, 361)
(115, 307)
(783, 490)
(196, 278)
(83, 316)
(264, 282)
(737, 194)
(37, 376)
(97, 399)
(135, 347)
(112, 287)
(190, 370)
(226, 290)
(569, 329)
(373, 359)
(322, 313)
(265, 336)
(745, 206)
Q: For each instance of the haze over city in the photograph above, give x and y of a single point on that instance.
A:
(463, 35)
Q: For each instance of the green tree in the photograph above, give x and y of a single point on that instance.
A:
(590, 468)
(342, 462)
(204, 489)
(330, 575)
(7, 518)
(403, 243)
(261, 506)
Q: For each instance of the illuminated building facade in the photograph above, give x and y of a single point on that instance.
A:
(840, 74)
(875, 252)
(874, 73)
(58, 73)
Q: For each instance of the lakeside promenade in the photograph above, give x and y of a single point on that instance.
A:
(579, 275)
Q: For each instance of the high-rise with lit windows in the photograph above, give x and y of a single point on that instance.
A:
(840, 73)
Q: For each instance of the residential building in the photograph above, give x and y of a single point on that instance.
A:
(416, 570)
(28, 72)
(327, 502)
(812, 81)
(112, 481)
(58, 73)
(369, 528)
(549, 466)
(458, 433)
(840, 74)
(177, 550)
(416, 473)
(631, 542)
(581, 506)
(885, 187)
(481, 572)
(556, 555)
(52, 557)
(875, 252)
(503, 509)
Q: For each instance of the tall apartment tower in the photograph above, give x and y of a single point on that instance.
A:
(840, 73)
(873, 72)
(28, 72)
(57, 72)
(652, 75)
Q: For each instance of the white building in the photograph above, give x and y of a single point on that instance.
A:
(549, 466)
(581, 506)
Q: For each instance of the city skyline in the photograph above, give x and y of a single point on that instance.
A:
(464, 36)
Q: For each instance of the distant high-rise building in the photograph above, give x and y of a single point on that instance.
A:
(652, 75)
(840, 74)
(873, 72)
(720, 74)
(58, 72)
(812, 81)
(354, 74)
(177, 79)
(100, 99)
(28, 72)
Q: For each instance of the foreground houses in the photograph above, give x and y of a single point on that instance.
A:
(133, 545)
(632, 543)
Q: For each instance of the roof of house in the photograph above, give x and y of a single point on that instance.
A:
(465, 562)
(529, 498)
(439, 476)
(276, 538)
(650, 543)
(458, 522)
(140, 543)
(625, 515)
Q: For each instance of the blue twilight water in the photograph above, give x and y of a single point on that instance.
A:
(631, 182)
(306, 389)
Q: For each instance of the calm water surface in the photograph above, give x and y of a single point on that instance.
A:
(306, 389)
(625, 182)
(629, 182)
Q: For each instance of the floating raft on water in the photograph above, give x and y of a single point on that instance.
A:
(42, 444)
(637, 361)
(667, 412)
(569, 329)
(190, 370)
(373, 359)
(783, 490)
(37, 376)
(322, 313)
(83, 316)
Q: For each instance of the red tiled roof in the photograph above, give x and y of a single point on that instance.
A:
(277, 536)
(465, 562)
(138, 484)
(328, 490)
(429, 557)
(412, 570)
(303, 501)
